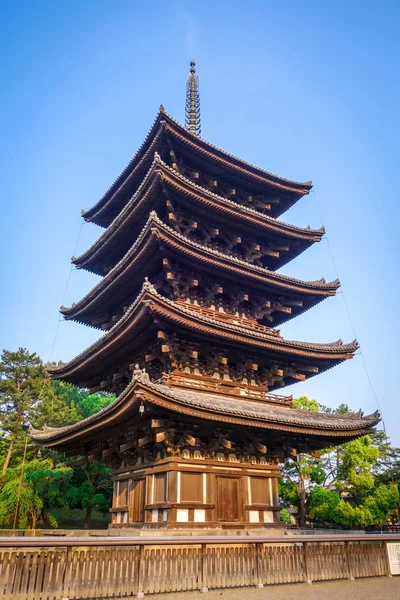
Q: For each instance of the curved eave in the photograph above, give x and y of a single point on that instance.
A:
(149, 191)
(142, 251)
(207, 407)
(149, 303)
(164, 125)
(239, 211)
(99, 212)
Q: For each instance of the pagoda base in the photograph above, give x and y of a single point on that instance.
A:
(196, 493)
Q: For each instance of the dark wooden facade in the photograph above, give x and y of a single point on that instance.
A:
(189, 302)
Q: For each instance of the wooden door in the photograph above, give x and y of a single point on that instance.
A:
(228, 499)
(137, 501)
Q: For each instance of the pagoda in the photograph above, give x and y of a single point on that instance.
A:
(190, 303)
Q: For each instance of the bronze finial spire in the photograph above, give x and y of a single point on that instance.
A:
(192, 112)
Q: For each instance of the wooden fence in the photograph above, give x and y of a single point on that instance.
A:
(78, 568)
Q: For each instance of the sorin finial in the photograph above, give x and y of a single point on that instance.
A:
(192, 111)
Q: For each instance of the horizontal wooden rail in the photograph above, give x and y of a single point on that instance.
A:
(55, 568)
(186, 540)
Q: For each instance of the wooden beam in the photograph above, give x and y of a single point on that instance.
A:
(298, 303)
(108, 452)
(127, 446)
(293, 375)
(270, 252)
(280, 308)
(225, 443)
(189, 438)
(157, 423)
(260, 447)
(278, 372)
(281, 248)
(309, 369)
(145, 440)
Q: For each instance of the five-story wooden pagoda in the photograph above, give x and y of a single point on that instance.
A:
(189, 302)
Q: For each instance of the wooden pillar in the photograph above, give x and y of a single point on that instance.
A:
(172, 495)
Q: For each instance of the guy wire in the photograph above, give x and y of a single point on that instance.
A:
(348, 312)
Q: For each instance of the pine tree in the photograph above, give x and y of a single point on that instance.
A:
(22, 381)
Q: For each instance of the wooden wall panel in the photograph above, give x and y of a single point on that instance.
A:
(137, 501)
(122, 496)
(160, 487)
(260, 492)
(229, 499)
(192, 487)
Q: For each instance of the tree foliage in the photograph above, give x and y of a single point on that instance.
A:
(30, 493)
(35, 483)
(351, 485)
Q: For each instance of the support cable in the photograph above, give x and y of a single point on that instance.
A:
(65, 292)
(348, 313)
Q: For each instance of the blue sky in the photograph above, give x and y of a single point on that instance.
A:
(308, 90)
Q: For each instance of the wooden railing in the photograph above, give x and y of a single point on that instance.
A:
(229, 318)
(181, 379)
(56, 568)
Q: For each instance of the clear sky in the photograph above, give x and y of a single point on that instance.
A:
(308, 90)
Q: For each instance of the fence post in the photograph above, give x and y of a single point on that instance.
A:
(203, 564)
(258, 559)
(307, 569)
(65, 584)
(386, 551)
(348, 561)
(141, 568)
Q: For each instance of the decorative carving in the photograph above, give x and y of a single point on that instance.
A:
(140, 375)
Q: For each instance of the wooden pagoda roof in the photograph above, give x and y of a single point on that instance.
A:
(138, 327)
(123, 282)
(154, 190)
(164, 130)
(319, 428)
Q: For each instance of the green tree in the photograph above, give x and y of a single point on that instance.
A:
(30, 492)
(299, 474)
(54, 410)
(338, 485)
(85, 404)
(22, 380)
(91, 489)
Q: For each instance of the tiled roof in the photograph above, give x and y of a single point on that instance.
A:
(303, 187)
(280, 228)
(252, 412)
(272, 277)
(176, 312)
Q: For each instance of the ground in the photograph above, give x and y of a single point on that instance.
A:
(378, 588)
